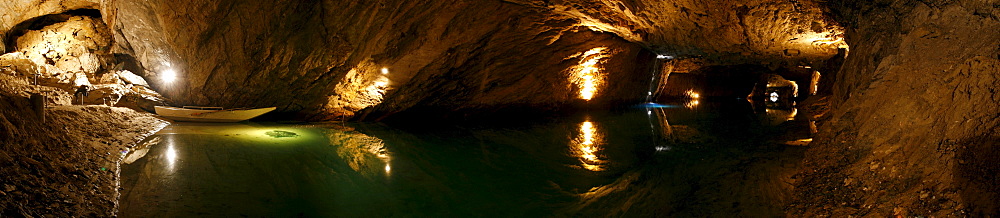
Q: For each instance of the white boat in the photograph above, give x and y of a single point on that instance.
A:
(210, 114)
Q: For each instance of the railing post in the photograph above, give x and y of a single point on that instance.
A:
(38, 104)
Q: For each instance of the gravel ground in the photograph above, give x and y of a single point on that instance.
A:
(66, 165)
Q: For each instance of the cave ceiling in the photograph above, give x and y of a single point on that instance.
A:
(334, 57)
(726, 31)
(718, 29)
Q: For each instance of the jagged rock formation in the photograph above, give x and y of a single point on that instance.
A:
(75, 44)
(767, 32)
(916, 114)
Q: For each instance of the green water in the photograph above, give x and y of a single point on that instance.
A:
(717, 158)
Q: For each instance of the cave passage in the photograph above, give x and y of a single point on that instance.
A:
(713, 157)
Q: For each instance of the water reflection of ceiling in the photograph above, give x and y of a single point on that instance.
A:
(363, 153)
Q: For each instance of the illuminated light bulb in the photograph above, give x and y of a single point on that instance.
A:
(692, 104)
(692, 94)
(168, 76)
(385, 70)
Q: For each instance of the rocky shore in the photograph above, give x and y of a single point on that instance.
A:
(67, 164)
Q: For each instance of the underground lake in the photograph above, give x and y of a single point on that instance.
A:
(506, 108)
(681, 159)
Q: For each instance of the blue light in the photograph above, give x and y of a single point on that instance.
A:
(655, 105)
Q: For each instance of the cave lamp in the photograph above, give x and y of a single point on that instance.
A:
(168, 76)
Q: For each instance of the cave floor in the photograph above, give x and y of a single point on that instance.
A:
(710, 158)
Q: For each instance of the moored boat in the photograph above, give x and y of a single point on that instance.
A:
(210, 114)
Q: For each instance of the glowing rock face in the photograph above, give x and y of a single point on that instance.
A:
(364, 86)
(587, 76)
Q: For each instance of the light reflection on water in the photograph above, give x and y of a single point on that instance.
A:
(662, 160)
(587, 145)
(171, 155)
(364, 154)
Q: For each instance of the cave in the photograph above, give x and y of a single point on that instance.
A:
(334, 108)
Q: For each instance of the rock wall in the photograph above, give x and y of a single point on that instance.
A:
(327, 58)
(916, 114)
(324, 59)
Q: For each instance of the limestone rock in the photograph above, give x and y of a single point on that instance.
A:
(106, 94)
(130, 78)
(70, 45)
(110, 78)
(21, 87)
(142, 98)
(53, 96)
(18, 67)
(12, 56)
(17, 11)
(916, 99)
(80, 79)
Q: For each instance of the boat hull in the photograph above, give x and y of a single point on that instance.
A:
(210, 116)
